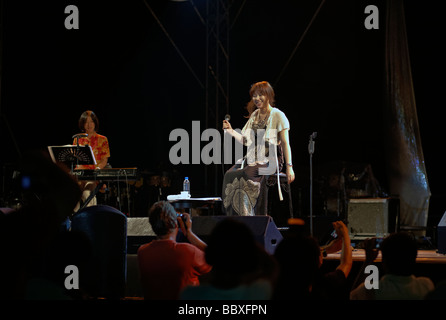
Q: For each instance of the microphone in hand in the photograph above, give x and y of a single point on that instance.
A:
(313, 135)
(226, 124)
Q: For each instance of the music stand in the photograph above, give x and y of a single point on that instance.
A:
(72, 154)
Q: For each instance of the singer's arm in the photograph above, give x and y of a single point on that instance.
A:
(284, 138)
(237, 136)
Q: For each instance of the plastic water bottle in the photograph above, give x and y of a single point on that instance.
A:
(186, 185)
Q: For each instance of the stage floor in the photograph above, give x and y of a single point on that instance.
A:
(424, 256)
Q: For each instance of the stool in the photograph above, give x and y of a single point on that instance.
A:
(271, 182)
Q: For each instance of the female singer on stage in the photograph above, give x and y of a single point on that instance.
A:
(243, 184)
(89, 123)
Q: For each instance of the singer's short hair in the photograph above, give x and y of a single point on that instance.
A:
(83, 120)
(263, 88)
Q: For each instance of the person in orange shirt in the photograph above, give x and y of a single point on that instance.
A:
(167, 266)
(89, 123)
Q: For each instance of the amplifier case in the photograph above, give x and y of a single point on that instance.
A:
(372, 217)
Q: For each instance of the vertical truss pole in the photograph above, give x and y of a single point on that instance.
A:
(217, 77)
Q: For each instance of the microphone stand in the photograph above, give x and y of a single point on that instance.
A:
(77, 151)
(225, 137)
(311, 151)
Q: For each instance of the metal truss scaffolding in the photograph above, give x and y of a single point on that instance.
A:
(217, 77)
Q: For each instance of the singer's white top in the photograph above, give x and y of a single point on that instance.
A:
(276, 123)
(277, 120)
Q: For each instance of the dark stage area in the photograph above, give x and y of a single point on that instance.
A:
(141, 66)
(374, 96)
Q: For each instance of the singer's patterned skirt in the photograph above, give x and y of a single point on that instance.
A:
(244, 191)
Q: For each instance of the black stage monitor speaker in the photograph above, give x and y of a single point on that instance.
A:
(441, 235)
(263, 227)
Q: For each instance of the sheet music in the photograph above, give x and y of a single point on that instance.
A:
(72, 153)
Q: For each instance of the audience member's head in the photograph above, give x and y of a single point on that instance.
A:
(399, 253)
(163, 218)
(235, 256)
(299, 259)
(49, 194)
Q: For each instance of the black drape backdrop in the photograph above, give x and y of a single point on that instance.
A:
(406, 168)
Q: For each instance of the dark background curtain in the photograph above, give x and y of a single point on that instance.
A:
(406, 168)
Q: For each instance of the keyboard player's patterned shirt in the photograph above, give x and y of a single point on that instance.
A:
(99, 145)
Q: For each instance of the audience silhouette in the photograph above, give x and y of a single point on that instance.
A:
(241, 268)
(399, 253)
(36, 248)
(300, 259)
(49, 194)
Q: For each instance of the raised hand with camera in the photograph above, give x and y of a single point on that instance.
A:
(185, 224)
